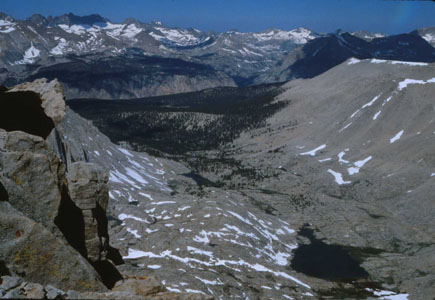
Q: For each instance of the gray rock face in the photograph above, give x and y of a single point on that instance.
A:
(9, 282)
(88, 189)
(32, 175)
(87, 184)
(39, 256)
(35, 291)
(54, 293)
(40, 222)
(146, 287)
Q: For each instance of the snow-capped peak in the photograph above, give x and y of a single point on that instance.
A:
(179, 37)
(29, 56)
(7, 25)
(298, 36)
(113, 30)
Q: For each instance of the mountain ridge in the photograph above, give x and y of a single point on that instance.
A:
(245, 58)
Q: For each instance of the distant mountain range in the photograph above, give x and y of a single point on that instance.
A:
(119, 54)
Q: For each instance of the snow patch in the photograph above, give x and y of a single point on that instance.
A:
(353, 61)
(132, 254)
(403, 84)
(297, 36)
(29, 56)
(125, 151)
(325, 159)
(387, 100)
(358, 165)
(313, 152)
(376, 115)
(134, 232)
(213, 262)
(340, 157)
(354, 114)
(60, 48)
(409, 63)
(346, 125)
(123, 216)
(338, 177)
(177, 36)
(154, 267)
(430, 38)
(396, 137)
(397, 62)
(7, 26)
(371, 102)
(163, 202)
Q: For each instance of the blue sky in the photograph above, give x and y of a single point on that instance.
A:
(246, 15)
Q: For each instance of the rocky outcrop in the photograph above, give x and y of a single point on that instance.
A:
(42, 229)
(38, 208)
(88, 189)
(30, 251)
(15, 287)
(32, 175)
(147, 288)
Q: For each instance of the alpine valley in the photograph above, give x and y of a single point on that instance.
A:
(139, 161)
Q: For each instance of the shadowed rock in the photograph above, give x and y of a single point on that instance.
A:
(34, 107)
(23, 111)
(51, 94)
(3, 193)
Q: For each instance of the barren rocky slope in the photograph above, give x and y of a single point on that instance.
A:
(342, 173)
(220, 242)
(358, 142)
(329, 196)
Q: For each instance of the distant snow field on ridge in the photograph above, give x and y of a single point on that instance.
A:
(353, 61)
